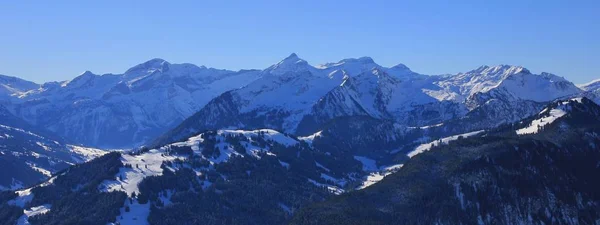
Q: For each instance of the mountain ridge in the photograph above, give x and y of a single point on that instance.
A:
(155, 96)
(293, 101)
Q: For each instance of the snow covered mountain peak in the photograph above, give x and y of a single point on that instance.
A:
(499, 70)
(147, 67)
(80, 80)
(290, 64)
(349, 61)
(521, 84)
(352, 66)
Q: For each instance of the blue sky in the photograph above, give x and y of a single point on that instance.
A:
(57, 40)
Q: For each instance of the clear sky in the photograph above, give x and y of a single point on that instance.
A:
(57, 40)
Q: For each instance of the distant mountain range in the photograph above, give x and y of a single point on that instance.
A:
(350, 142)
(134, 108)
(123, 110)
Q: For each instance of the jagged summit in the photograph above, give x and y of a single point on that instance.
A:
(292, 63)
(87, 73)
(499, 70)
(400, 66)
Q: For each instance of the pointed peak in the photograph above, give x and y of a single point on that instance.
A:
(80, 80)
(292, 58)
(400, 66)
(87, 73)
(291, 63)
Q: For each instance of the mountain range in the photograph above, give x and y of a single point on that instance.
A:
(120, 110)
(301, 144)
(134, 108)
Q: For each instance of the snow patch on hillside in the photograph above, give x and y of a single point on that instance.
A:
(25, 196)
(425, 147)
(137, 215)
(268, 134)
(535, 125)
(23, 220)
(85, 153)
(142, 166)
(377, 176)
(309, 139)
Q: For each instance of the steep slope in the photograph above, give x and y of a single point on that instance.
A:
(125, 110)
(541, 170)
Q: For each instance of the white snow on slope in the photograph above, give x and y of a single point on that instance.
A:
(39, 169)
(85, 153)
(25, 196)
(377, 176)
(309, 139)
(268, 134)
(143, 165)
(149, 163)
(554, 114)
(137, 215)
(425, 147)
(537, 124)
(23, 220)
